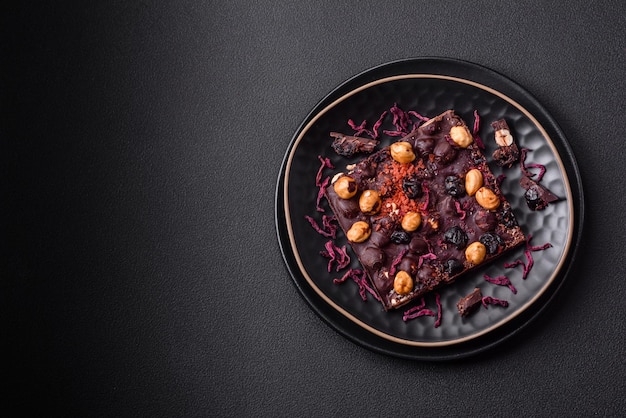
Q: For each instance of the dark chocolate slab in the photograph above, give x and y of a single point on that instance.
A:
(433, 185)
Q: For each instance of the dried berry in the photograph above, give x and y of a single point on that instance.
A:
(454, 186)
(453, 266)
(412, 187)
(532, 198)
(400, 237)
(456, 236)
(492, 242)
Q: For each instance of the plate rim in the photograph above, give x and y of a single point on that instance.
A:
(573, 186)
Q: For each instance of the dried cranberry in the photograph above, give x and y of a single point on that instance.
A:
(412, 187)
(454, 186)
(400, 237)
(492, 242)
(456, 236)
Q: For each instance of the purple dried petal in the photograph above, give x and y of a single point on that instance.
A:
(439, 310)
(396, 261)
(488, 300)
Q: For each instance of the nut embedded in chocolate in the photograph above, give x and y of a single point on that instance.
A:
(507, 152)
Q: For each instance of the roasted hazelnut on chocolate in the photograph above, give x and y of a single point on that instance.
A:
(370, 202)
(503, 137)
(402, 152)
(487, 198)
(473, 181)
(359, 232)
(476, 252)
(461, 136)
(403, 283)
(345, 187)
(411, 221)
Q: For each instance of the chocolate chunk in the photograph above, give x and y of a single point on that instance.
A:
(467, 304)
(507, 152)
(347, 146)
(537, 196)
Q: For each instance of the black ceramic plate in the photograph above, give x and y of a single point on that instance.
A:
(430, 86)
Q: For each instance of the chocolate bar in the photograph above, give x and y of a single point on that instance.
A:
(467, 304)
(423, 211)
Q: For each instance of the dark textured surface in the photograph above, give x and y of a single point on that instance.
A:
(141, 274)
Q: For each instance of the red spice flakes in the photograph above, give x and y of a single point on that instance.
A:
(501, 281)
(393, 197)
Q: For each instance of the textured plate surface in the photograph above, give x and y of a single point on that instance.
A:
(431, 86)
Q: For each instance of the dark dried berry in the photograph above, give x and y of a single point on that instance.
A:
(453, 266)
(492, 242)
(400, 237)
(412, 187)
(456, 236)
(454, 186)
(533, 199)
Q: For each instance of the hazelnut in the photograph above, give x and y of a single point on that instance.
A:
(461, 136)
(403, 283)
(476, 252)
(359, 232)
(433, 222)
(487, 198)
(345, 187)
(411, 221)
(503, 137)
(473, 181)
(370, 202)
(402, 152)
